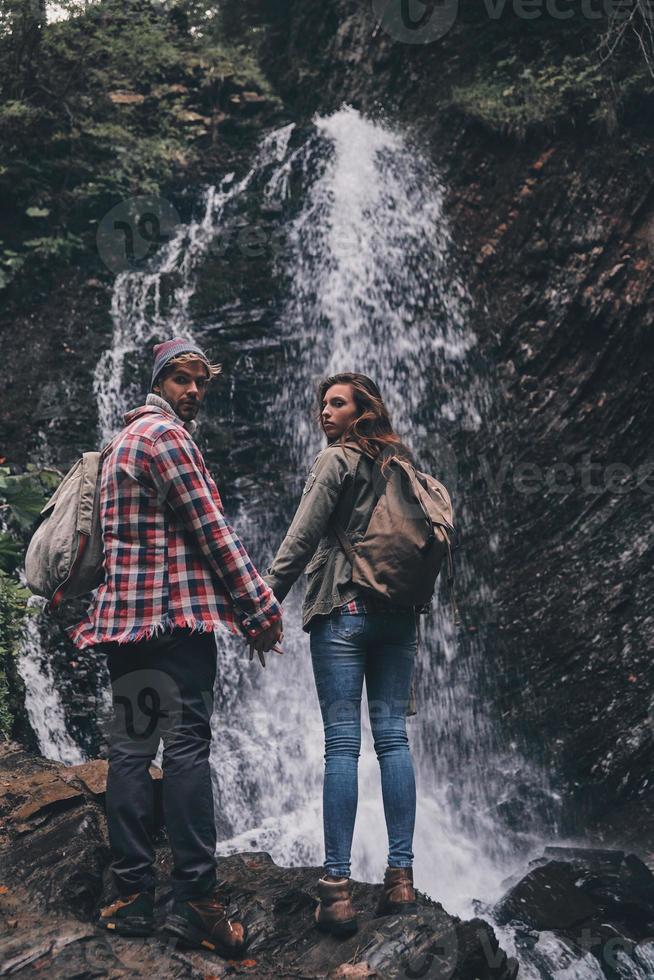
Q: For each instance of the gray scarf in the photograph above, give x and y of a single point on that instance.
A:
(161, 403)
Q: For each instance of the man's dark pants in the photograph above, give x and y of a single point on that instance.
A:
(162, 688)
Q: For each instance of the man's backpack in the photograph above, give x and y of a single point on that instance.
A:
(409, 536)
(65, 557)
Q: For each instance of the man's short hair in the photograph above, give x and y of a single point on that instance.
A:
(176, 362)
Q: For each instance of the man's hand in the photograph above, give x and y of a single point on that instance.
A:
(266, 641)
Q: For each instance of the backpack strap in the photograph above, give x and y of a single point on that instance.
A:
(106, 449)
(334, 524)
(343, 539)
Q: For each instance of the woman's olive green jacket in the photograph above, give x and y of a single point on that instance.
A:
(341, 485)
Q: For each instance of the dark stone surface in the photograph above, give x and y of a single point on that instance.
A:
(594, 901)
(548, 898)
(54, 872)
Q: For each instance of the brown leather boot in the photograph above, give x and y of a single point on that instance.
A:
(335, 912)
(203, 923)
(132, 915)
(398, 894)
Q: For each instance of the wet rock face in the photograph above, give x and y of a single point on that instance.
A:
(597, 902)
(54, 858)
(47, 413)
(573, 423)
(566, 468)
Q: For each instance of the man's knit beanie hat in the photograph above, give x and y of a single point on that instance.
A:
(173, 348)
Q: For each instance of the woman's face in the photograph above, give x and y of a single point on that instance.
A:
(338, 411)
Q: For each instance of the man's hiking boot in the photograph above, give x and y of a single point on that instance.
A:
(335, 912)
(203, 923)
(132, 915)
(398, 895)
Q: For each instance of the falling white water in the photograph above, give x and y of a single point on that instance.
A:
(372, 285)
(42, 701)
(374, 288)
(140, 311)
(551, 958)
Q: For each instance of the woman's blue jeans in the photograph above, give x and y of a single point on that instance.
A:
(344, 649)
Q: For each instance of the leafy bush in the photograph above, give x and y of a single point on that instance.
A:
(575, 90)
(113, 102)
(22, 496)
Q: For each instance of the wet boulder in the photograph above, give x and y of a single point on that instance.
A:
(593, 902)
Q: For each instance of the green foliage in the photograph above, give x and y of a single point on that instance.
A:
(515, 99)
(11, 553)
(115, 101)
(13, 610)
(15, 113)
(54, 247)
(10, 263)
(22, 496)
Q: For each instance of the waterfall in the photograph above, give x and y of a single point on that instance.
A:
(143, 309)
(42, 700)
(374, 288)
(367, 280)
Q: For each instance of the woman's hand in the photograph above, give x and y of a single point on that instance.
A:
(267, 641)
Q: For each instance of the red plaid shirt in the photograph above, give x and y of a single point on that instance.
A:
(354, 607)
(171, 558)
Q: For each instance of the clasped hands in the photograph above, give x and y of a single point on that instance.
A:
(266, 641)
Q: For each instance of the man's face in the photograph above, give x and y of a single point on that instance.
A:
(184, 388)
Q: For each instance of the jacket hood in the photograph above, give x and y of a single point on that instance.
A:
(153, 403)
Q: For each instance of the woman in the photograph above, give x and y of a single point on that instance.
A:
(353, 637)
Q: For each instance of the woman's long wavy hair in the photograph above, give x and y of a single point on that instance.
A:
(372, 429)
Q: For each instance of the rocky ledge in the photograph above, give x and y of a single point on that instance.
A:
(54, 872)
(54, 859)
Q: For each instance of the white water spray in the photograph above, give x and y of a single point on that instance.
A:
(42, 700)
(373, 286)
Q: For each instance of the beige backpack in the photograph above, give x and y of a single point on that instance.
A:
(65, 557)
(409, 536)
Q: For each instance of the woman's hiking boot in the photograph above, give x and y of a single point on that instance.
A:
(203, 923)
(398, 895)
(132, 915)
(335, 912)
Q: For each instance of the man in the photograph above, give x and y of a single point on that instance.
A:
(175, 573)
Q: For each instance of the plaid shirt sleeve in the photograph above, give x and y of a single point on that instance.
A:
(182, 480)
